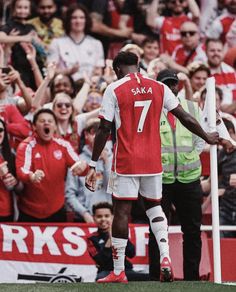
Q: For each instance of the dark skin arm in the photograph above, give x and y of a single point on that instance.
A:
(105, 128)
(99, 143)
(192, 125)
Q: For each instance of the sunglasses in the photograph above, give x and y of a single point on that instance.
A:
(1, 130)
(61, 104)
(187, 33)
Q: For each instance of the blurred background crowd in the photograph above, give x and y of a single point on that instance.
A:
(57, 55)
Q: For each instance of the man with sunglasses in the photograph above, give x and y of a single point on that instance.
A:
(190, 48)
(169, 27)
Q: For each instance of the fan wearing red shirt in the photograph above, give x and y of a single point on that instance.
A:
(224, 74)
(191, 49)
(18, 127)
(135, 103)
(221, 26)
(42, 162)
(169, 27)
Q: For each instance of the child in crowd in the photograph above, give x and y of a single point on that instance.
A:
(100, 248)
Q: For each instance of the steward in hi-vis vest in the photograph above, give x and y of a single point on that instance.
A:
(181, 181)
(180, 158)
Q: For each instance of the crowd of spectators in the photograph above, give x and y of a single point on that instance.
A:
(56, 56)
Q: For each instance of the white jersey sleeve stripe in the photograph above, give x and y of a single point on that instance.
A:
(68, 148)
(28, 157)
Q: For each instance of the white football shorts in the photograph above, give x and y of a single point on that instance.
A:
(129, 187)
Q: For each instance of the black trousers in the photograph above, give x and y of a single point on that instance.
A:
(59, 216)
(187, 199)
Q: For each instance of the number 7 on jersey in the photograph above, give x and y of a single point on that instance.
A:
(145, 104)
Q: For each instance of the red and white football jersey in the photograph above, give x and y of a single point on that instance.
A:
(225, 77)
(221, 26)
(181, 55)
(169, 28)
(135, 103)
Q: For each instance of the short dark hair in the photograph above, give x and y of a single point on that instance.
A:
(67, 21)
(52, 85)
(196, 66)
(125, 58)
(102, 205)
(218, 90)
(229, 125)
(213, 40)
(92, 124)
(149, 39)
(37, 3)
(43, 111)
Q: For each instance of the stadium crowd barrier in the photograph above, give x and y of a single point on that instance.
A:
(58, 253)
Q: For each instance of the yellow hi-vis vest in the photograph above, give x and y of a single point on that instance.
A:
(180, 160)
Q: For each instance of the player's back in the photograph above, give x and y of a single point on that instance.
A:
(139, 106)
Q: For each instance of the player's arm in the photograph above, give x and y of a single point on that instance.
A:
(192, 125)
(107, 115)
(102, 135)
(99, 143)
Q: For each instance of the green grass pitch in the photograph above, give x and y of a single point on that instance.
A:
(130, 287)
